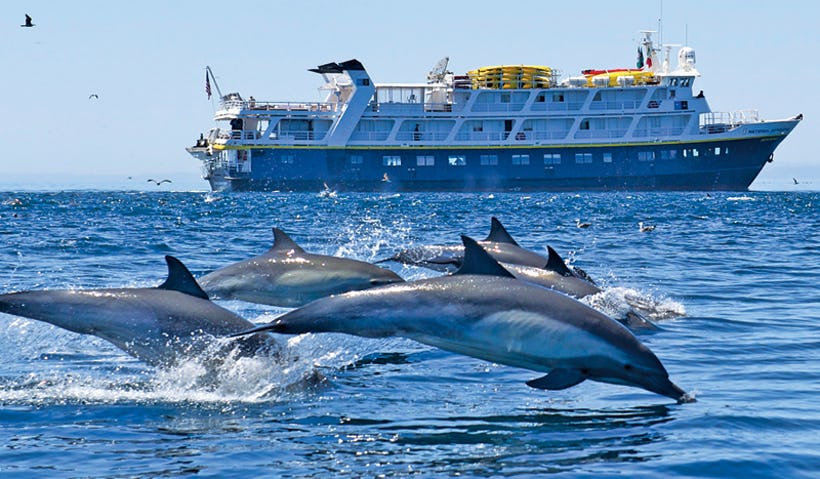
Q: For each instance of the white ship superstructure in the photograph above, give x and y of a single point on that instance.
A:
(508, 127)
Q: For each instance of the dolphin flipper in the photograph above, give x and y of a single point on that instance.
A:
(478, 261)
(180, 279)
(558, 379)
(283, 242)
(499, 234)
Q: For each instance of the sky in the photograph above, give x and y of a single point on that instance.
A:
(145, 60)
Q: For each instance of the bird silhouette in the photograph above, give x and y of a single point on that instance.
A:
(795, 181)
(158, 182)
(93, 95)
(28, 22)
(645, 228)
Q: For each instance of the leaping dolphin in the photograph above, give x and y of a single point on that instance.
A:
(288, 276)
(483, 312)
(159, 326)
(499, 243)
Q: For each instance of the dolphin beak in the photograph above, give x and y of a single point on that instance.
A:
(665, 387)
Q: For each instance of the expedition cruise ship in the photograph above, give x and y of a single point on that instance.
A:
(498, 128)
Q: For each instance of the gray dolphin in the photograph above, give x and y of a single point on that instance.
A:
(556, 275)
(501, 246)
(156, 325)
(483, 312)
(288, 276)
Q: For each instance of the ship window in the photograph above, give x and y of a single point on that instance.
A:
(695, 152)
(364, 81)
(391, 160)
(717, 150)
(558, 97)
(489, 160)
(286, 159)
(669, 154)
(582, 158)
(541, 98)
(597, 96)
(671, 93)
(584, 125)
(356, 159)
(505, 98)
(607, 157)
(646, 155)
(552, 158)
(521, 159)
(425, 160)
(458, 160)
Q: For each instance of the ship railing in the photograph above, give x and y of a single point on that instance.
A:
(557, 106)
(245, 135)
(421, 136)
(482, 136)
(411, 108)
(582, 134)
(483, 107)
(721, 121)
(297, 135)
(547, 135)
(614, 105)
(658, 132)
(369, 135)
(278, 105)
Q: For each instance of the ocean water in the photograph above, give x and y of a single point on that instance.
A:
(733, 276)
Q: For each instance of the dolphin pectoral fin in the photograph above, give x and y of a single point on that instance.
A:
(558, 379)
(180, 279)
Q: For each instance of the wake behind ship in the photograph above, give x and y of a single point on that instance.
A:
(498, 128)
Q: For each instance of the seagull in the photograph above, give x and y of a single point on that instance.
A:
(795, 181)
(645, 228)
(28, 22)
(582, 225)
(386, 178)
(158, 182)
(93, 95)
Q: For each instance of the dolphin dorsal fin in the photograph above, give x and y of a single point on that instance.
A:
(498, 234)
(282, 242)
(556, 263)
(180, 279)
(478, 261)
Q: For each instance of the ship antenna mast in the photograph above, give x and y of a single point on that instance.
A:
(213, 78)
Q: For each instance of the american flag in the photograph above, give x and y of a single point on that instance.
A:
(207, 85)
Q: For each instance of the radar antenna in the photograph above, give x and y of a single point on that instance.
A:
(439, 71)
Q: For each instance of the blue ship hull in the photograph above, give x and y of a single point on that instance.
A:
(726, 165)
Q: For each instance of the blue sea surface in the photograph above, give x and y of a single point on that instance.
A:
(733, 277)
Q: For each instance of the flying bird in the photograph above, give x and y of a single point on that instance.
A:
(158, 182)
(28, 22)
(795, 181)
(93, 96)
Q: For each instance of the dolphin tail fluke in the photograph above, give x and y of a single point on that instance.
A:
(499, 234)
(558, 379)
